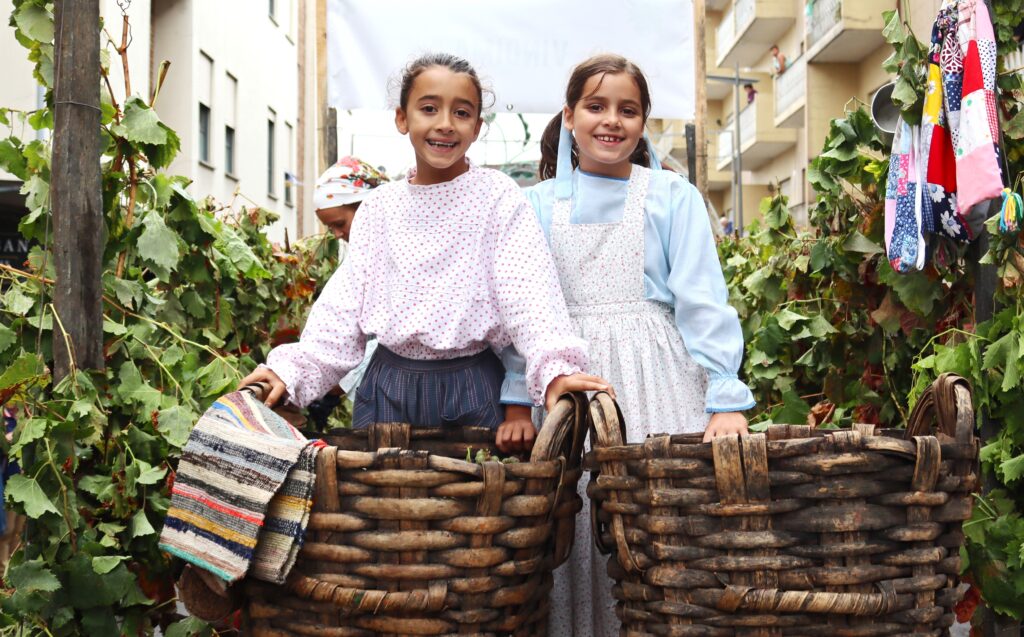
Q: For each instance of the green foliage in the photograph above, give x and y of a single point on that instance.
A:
(194, 295)
(908, 64)
(835, 336)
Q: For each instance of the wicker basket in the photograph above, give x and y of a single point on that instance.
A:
(794, 532)
(407, 538)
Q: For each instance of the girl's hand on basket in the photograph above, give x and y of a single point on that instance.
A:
(574, 382)
(724, 424)
(278, 389)
(517, 433)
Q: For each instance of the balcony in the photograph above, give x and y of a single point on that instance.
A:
(750, 28)
(791, 94)
(844, 30)
(719, 154)
(714, 90)
(760, 140)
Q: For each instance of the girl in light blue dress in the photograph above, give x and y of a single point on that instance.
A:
(637, 261)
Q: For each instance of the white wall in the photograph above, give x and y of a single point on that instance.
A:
(138, 49)
(262, 54)
(18, 88)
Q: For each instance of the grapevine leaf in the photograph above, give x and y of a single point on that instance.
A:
(1013, 469)
(240, 254)
(33, 576)
(859, 243)
(821, 328)
(787, 319)
(12, 160)
(176, 424)
(794, 410)
(149, 474)
(134, 389)
(17, 301)
(26, 490)
(189, 627)
(158, 245)
(26, 367)
(140, 525)
(7, 338)
(103, 564)
(33, 429)
(141, 124)
(34, 21)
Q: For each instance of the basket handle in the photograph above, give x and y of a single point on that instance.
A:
(946, 406)
(608, 429)
(564, 421)
(258, 389)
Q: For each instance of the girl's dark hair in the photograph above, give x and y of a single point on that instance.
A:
(451, 62)
(597, 65)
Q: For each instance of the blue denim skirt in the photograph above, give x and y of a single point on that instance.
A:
(462, 391)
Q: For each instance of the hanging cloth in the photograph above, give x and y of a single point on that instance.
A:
(940, 212)
(975, 127)
(904, 239)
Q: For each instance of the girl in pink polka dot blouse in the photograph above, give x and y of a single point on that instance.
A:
(445, 268)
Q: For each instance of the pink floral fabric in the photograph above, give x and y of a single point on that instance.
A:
(438, 272)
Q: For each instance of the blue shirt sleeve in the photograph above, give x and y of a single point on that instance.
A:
(689, 277)
(513, 388)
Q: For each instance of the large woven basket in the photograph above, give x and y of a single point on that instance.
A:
(794, 532)
(407, 538)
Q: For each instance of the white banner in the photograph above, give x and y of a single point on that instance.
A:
(523, 49)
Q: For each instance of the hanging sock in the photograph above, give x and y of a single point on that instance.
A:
(1011, 215)
(905, 246)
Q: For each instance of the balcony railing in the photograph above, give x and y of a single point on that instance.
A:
(723, 150)
(790, 86)
(724, 34)
(748, 122)
(743, 10)
(825, 14)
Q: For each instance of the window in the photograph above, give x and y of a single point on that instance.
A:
(289, 178)
(271, 170)
(204, 93)
(204, 133)
(229, 111)
(229, 150)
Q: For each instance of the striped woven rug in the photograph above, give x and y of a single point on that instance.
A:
(243, 492)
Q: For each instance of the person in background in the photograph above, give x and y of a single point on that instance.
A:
(751, 92)
(11, 523)
(340, 190)
(338, 194)
(778, 61)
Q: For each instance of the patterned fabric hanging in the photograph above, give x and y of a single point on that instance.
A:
(904, 238)
(975, 130)
(945, 73)
(940, 171)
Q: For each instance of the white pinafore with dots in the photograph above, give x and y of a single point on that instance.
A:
(634, 344)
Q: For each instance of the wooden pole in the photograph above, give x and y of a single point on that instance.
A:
(76, 194)
(300, 127)
(328, 117)
(701, 95)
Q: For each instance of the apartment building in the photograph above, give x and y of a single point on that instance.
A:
(834, 52)
(232, 93)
